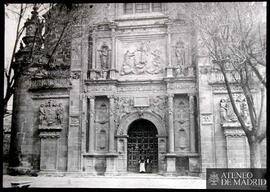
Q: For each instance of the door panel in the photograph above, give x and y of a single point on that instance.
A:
(142, 143)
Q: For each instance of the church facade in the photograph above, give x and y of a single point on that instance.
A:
(136, 85)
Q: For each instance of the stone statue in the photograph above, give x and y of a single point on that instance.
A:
(104, 56)
(180, 56)
(223, 110)
(244, 109)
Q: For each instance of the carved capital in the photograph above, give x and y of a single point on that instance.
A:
(170, 95)
(75, 75)
(90, 96)
(111, 97)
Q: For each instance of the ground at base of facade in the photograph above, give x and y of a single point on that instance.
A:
(136, 181)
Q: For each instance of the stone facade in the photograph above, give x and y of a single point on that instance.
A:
(123, 68)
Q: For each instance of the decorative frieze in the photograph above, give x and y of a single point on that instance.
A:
(100, 88)
(221, 89)
(234, 132)
(50, 83)
(136, 88)
(49, 134)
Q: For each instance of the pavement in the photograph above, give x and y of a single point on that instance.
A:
(133, 181)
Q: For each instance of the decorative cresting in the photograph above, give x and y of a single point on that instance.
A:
(50, 119)
(128, 119)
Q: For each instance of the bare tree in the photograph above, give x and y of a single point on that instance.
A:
(39, 45)
(235, 36)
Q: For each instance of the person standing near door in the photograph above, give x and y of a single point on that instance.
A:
(142, 165)
(148, 165)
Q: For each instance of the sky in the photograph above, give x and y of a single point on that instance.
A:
(11, 21)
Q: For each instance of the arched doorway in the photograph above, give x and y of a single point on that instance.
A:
(142, 142)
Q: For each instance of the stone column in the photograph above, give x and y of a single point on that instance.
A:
(111, 157)
(91, 124)
(171, 128)
(112, 125)
(94, 49)
(169, 67)
(170, 157)
(113, 67)
(191, 124)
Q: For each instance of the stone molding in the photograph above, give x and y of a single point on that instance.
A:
(128, 119)
(236, 132)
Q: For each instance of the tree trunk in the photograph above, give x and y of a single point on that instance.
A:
(14, 150)
(255, 154)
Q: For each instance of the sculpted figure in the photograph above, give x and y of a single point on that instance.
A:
(180, 56)
(59, 114)
(42, 115)
(128, 64)
(104, 56)
(223, 110)
(155, 68)
(141, 59)
(244, 109)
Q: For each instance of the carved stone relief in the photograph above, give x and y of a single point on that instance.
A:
(75, 75)
(207, 118)
(181, 123)
(227, 114)
(121, 146)
(125, 105)
(102, 113)
(101, 122)
(142, 59)
(51, 114)
(158, 105)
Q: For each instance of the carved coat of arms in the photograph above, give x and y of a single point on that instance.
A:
(50, 114)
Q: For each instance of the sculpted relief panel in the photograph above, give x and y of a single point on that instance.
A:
(102, 123)
(51, 114)
(181, 123)
(227, 114)
(141, 57)
(125, 106)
